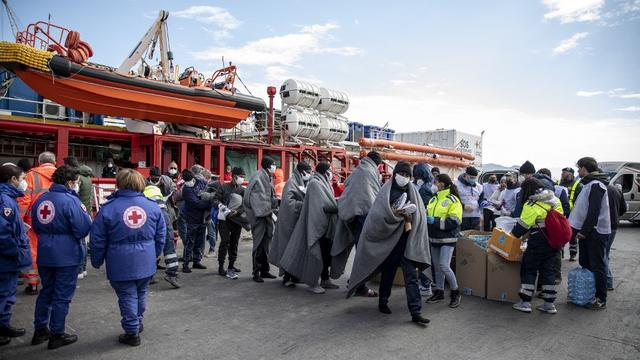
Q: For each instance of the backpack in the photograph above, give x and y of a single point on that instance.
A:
(557, 229)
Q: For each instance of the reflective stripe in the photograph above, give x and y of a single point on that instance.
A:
(170, 256)
(548, 296)
(528, 286)
(442, 224)
(572, 193)
(549, 287)
(172, 265)
(526, 292)
(523, 224)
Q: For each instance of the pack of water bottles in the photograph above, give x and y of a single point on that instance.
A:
(582, 286)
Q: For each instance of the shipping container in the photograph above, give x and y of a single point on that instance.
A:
(449, 139)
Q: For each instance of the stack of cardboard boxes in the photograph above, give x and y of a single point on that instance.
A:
(491, 272)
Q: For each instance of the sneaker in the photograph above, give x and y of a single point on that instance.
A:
(31, 290)
(455, 299)
(4, 340)
(548, 308)
(186, 270)
(131, 340)
(522, 306)
(12, 332)
(84, 273)
(222, 271)
(572, 258)
(288, 283)
(317, 289)
(257, 278)
(56, 341)
(268, 275)
(384, 308)
(596, 304)
(210, 253)
(557, 281)
(232, 274)
(80, 276)
(231, 267)
(173, 280)
(438, 295)
(610, 288)
(40, 336)
(328, 284)
(418, 319)
(425, 291)
(199, 266)
(140, 328)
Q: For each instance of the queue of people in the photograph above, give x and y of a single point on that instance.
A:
(308, 235)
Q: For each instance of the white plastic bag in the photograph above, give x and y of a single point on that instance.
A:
(506, 223)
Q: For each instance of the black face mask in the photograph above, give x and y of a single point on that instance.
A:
(511, 185)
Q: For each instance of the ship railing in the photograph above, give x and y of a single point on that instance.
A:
(43, 34)
(41, 114)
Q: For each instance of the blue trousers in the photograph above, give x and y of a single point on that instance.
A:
(607, 251)
(212, 233)
(194, 244)
(182, 229)
(132, 300)
(8, 284)
(52, 305)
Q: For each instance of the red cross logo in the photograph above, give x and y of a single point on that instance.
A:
(46, 212)
(134, 217)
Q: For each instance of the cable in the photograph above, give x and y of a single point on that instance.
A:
(245, 86)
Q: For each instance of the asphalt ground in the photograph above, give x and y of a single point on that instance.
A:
(212, 317)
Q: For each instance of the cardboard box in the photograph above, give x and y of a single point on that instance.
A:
(471, 268)
(503, 279)
(505, 245)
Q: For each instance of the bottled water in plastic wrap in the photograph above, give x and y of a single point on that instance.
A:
(582, 286)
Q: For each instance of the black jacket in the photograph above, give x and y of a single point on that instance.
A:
(224, 191)
(617, 205)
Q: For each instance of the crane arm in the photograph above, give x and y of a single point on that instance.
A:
(157, 31)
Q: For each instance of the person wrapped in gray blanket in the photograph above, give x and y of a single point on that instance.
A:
(308, 254)
(360, 191)
(394, 234)
(288, 213)
(259, 204)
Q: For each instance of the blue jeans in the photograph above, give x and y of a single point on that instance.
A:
(52, 305)
(212, 234)
(132, 300)
(83, 267)
(182, 229)
(607, 251)
(441, 260)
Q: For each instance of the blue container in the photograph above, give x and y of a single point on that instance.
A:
(372, 132)
(391, 134)
(355, 131)
(582, 286)
(19, 90)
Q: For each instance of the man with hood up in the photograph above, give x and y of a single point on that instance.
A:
(559, 191)
(392, 237)
(360, 191)
(259, 204)
(472, 198)
(591, 219)
(308, 253)
(288, 213)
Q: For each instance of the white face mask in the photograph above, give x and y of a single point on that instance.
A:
(420, 182)
(76, 188)
(306, 176)
(22, 185)
(329, 175)
(272, 169)
(239, 180)
(110, 165)
(379, 177)
(402, 181)
(173, 171)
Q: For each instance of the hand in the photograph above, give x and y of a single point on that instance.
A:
(430, 220)
(396, 212)
(580, 236)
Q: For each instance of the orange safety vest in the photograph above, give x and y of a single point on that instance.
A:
(39, 180)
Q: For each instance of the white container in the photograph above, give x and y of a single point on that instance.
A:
(301, 124)
(300, 93)
(333, 129)
(448, 139)
(333, 101)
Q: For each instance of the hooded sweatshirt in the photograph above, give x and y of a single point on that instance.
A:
(422, 172)
(86, 188)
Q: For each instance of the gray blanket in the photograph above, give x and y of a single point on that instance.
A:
(302, 258)
(259, 202)
(288, 213)
(360, 191)
(381, 233)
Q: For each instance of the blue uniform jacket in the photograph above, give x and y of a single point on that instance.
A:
(61, 223)
(128, 234)
(15, 253)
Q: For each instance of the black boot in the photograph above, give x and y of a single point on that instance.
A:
(384, 308)
(40, 336)
(233, 267)
(186, 270)
(199, 266)
(10, 331)
(438, 295)
(56, 341)
(257, 278)
(455, 299)
(267, 275)
(4, 340)
(131, 340)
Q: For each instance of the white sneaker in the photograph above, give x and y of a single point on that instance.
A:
(548, 308)
(317, 289)
(84, 273)
(80, 276)
(232, 275)
(523, 306)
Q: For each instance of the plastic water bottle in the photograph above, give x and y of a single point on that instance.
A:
(582, 286)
